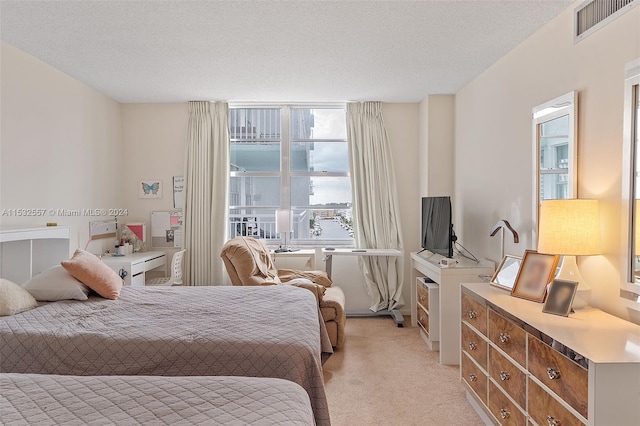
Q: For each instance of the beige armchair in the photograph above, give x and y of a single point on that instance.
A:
(248, 262)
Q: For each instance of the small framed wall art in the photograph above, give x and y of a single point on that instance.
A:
(150, 188)
(536, 272)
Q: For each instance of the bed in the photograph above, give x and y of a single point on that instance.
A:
(175, 331)
(73, 400)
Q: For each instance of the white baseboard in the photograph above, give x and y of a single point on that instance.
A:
(478, 409)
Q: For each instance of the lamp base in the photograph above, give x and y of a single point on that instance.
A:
(569, 272)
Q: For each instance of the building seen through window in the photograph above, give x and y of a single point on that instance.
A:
(290, 158)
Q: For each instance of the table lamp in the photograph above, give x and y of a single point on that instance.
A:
(570, 228)
(284, 225)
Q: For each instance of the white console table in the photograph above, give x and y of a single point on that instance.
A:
(328, 254)
(135, 266)
(448, 279)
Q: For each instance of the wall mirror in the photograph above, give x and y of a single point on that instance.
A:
(631, 182)
(554, 152)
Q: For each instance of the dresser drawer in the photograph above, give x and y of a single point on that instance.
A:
(474, 345)
(422, 296)
(546, 410)
(505, 411)
(423, 318)
(474, 377)
(474, 313)
(508, 376)
(508, 336)
(566, 378)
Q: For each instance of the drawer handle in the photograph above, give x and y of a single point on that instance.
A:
(504, 338)
(504, 376)
(504, 414)
(552, 422)
(553, 374)
(422, 318)
(473, 346)
(422, 297)
(473, 314)
(473, 377)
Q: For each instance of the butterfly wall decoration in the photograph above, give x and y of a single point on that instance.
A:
(151, 188)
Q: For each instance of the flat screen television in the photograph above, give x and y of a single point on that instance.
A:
(437, 229)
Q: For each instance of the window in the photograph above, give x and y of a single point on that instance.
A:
(290, 158)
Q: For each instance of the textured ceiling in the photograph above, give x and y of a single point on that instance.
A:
(174, 51)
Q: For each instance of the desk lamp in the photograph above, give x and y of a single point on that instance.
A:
(570, 228)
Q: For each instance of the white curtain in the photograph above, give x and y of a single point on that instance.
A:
(206, 192)
(375, 203)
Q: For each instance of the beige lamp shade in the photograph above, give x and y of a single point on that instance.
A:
(569, 227)
(284, 221)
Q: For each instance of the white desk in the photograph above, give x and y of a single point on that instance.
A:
(307, 253)
(328, 254)
(135, 266)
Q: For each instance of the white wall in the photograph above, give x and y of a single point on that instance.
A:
(493, 148)
(61, 145)
(154, 137)
(436, 141)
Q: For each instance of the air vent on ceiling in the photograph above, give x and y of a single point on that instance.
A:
(592, 15)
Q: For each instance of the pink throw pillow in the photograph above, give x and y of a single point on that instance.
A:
(88, 269)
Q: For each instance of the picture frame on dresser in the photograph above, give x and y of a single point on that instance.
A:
(537, 270)
(506, 274)
(560, 297)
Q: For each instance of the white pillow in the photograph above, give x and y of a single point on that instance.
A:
(56, 284)
(14, 299)
(299, 281)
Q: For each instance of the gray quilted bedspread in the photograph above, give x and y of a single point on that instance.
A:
(175, 331)
(28, 399)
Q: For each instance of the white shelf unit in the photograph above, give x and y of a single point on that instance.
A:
(428, 311)
(26, 252)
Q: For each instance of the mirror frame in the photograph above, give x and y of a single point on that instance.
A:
(630, 290)
(494, 280)
(566, 104)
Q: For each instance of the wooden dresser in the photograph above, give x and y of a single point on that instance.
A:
(523, 367)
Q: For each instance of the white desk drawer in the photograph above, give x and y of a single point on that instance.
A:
(155, 263)
(138, 280)
(138, 267)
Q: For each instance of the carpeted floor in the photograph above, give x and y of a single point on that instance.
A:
(385, 375)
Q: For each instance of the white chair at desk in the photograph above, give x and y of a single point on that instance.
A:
(176, 272)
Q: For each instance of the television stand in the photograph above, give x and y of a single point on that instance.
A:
(443, 288)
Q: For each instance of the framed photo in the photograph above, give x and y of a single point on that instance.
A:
(150, 188)
(560, 297)
(507, 272)
(536, 272)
